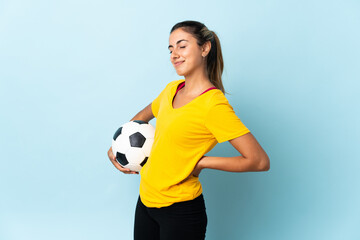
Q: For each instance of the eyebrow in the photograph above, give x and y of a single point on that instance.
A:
(177, 42)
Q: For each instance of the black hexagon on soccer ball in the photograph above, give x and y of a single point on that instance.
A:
(137, 140)
(117, 133)
(121, 158)
(143, 162)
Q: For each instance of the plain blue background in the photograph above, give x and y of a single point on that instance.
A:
(72, 72)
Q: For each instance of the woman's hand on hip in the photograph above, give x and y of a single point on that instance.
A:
(196, 171)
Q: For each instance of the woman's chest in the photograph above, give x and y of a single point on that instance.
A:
(184, 125)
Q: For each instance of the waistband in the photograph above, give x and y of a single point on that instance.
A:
(199, 200)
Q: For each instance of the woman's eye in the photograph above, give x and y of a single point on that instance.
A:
(180, 47)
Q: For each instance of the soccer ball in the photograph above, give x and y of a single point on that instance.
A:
(132, 144)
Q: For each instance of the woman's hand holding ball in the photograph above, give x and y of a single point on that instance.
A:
(117, 165)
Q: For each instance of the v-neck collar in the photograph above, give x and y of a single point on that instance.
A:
(173, 91)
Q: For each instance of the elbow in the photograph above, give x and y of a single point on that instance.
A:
(264, 164)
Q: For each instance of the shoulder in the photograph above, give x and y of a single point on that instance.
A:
(166, 87)
(176, 82)
(173, 83)
(218, 97)
(218, 103)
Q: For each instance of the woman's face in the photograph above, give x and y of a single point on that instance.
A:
(185, 54)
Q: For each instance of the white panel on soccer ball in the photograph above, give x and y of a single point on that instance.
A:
(147, 146)
(135, 156)
(147, 130)
(113, 148)
(134, 167)
(125, 133)
(122, 143)
(130, 128)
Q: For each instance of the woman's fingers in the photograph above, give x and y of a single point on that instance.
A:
(128, 171)
(124, 170)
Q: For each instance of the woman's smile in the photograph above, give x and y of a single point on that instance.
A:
(178, 63)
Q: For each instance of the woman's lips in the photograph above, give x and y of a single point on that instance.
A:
(177, 64)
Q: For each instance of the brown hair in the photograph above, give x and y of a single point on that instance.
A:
(215, 62)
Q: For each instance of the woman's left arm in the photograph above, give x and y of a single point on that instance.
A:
(253, 158)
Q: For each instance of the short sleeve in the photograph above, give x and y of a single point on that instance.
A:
(155, 105)
(222, 121)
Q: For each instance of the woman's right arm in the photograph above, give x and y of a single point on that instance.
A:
(144, 115)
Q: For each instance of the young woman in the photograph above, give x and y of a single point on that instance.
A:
(193, 115)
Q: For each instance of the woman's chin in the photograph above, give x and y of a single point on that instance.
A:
(180, 73)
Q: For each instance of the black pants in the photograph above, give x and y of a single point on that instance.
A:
(182, 220)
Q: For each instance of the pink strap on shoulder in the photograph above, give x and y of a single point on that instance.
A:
(179, 87)
(183, 84)
(208, 89)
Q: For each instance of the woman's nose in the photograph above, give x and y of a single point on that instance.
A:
(173, 54)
